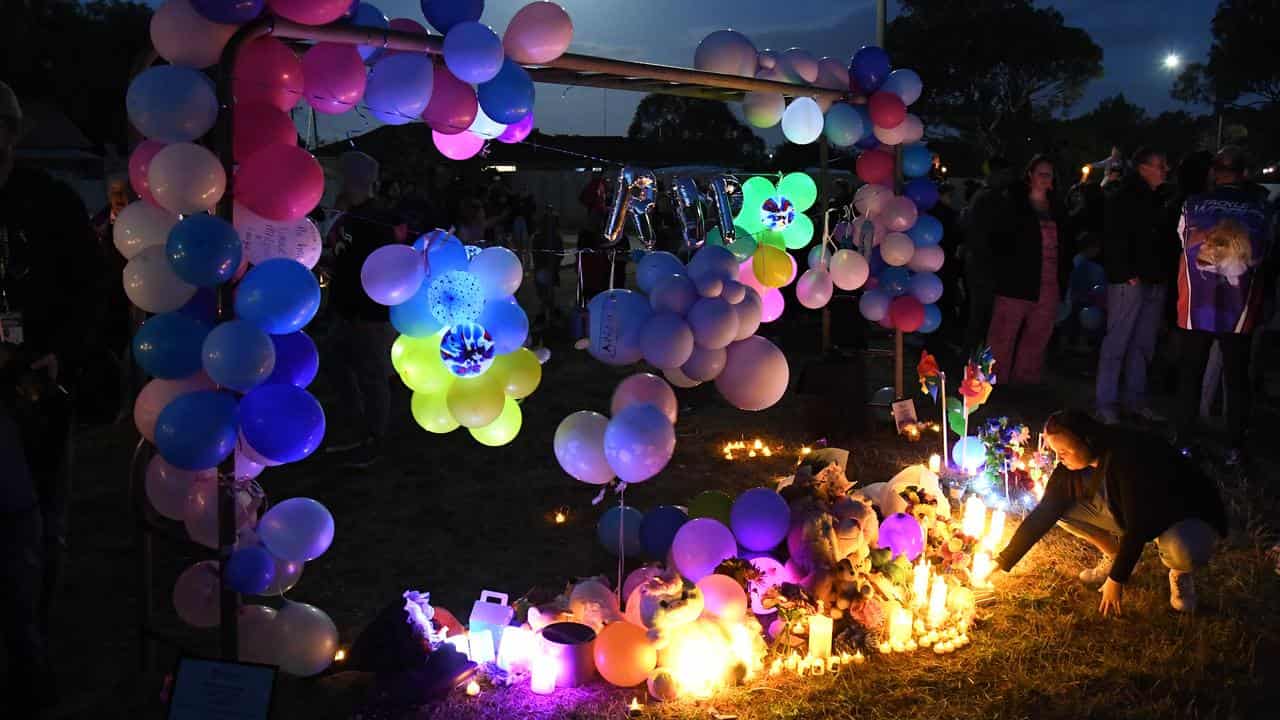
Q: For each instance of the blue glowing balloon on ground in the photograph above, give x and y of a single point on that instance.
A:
(455, 297)
(969, 453)
(625, 520)
(251, 570)
(902, 534)
(923, 192)
(508, 97)
(238, 355)
(413, 317)
(204, 250)
(196, 431)
(297, 360)
(760, 519)
(659, 528)
(168, 345)
(280, 296)
(507, 324)
(281, 422)
(467, 350)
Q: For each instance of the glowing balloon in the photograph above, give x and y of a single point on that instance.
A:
(760, 519)
(486, 127)
(772, 305)
(473, 52)
(843, 125)
(283, 423)
(156, 395)
(763, 109)
(519, 371)
(298, 529)
(197, 431)
(498, 270)
(459, 146)
(502, 430)
(755, 374)
(723, 597)
(902, 534)
(186, 178)
(538, 33)
(506, 323)
(579, 447)
(517, 131)
(814, 289)
(264, 239)
(639, 442)
(431, 412)
(280, 296)
(392, 274)
(475, 401)
(849, 269)
(969, 453)
(623, 652)
(700, 545)
(771, 266)
(802, 121)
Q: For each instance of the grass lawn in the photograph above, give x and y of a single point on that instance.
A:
(446, 515)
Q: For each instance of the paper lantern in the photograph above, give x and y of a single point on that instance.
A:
(902, 534)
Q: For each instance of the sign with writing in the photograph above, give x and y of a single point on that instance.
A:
(221, 690)
(904, 413)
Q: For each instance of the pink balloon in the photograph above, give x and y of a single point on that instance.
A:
(462, 146)
(333, 77)
(140, 165)
(755, 376)
(168, 486)
(899, 214)
(539, 33)
(794, 269)
(774, 304)
(196, 595)
(201, 516)
(517, 132)
(267, 71)
(453, 103)
(643, 388)
(257, 125)
(310, 12)
(747, 275)
(156, 394)
(280, 182)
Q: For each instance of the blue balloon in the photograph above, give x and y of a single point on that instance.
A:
(893, 280)
(869, 142)
(904, 83)
(280, 296)
(413, 317)
(171, 103)
(926, 231)
(713, 261)
(204, 250)
(473, 52)
(297, 360)
(874, 304)
(1092, 318)
(923, 192)
(617, 318)
(444, 14)
(507, 324)
(238, 355)
(202, 306)
(932, 319)
(925, 287)
(445, 255)
(656, 266)
(196, 431)
(297, 530)
(251, 570)
(869, 68)
(626, 520)
(281, 422)
(508, 97)
(229, 12)
(844, 126)
(917, 159)
(455, 297)
(399, 87)
(368, 16)
(658, 529)
(876, 262)
(1085, 275)
(760, 519)
(168, 345)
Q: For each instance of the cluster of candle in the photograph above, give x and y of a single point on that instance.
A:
(810, 665)
(756, 448)
(975, 524)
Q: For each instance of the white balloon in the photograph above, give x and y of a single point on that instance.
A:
(183, 36)
(849, 270)
(911, 129)
(486, 127)
(755, 375)
(579, 447)
(168, 487)
(763, 109)
(645, 388)
(151, 283)
(256, 628)
(870, 198)
(186, 178)
(897, 249)
(141, 225)
(265, 239)
(195, 595)
(929, 258)
(814, 288)
(802, 121)
(306, 639)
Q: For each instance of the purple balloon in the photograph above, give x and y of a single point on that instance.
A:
(760, 519)
(517, 131)
(297, 360)
(392, 274)
(282, 423)
(230, 12)
(298, 529)
(473, 52)
(639, 442)
(901, 533)
(700, 545)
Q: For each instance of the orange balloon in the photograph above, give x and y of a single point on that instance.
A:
(624, 654)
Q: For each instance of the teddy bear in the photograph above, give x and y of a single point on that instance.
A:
(667, 601)
(856, 509)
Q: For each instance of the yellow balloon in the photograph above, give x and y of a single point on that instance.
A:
(475, 401)
(421, 367)
(398, 350)
(771, 266)
(432, 413)
(504, 429)
(519, 372)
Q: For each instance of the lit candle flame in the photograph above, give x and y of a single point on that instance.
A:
(935, 463)
(340, 655)
(560, 517)
(473, 688)
(634, 706)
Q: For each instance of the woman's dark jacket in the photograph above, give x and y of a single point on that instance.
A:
(1016, 246)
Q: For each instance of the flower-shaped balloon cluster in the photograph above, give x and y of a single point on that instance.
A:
(461, 348)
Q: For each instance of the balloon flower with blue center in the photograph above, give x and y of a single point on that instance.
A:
(775, 214)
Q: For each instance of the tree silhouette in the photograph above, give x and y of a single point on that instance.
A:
(706, 128)
(1243, 69)
(994, 70)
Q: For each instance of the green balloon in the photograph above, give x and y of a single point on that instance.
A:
(772, 237)
(955, 415)
(743, 245)
(799, 188)
(711, 504)
(798, 233)
(713, 237)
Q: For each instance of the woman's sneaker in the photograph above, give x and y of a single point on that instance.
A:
(1097, 574)
(1182, 591)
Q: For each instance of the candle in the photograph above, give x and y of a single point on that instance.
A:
(995, 532)
(975, 517)
(982, 567)
(899, 624)
(883, 648)
(938, 602)
(819, 636)
(920, 582)
(473, 688)
(935, 463)
(481, 646)
(858, 659)
(517, 645)
(633, 710)
(340, 655)
(776, 667)
(793, 660)
(460, 643)
(817, 666)
(542, 675)
(833, 665)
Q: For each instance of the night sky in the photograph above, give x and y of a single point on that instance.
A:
(1135, 36)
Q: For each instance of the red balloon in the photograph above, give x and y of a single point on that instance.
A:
(875, 167)
(280, 182)
(255, 126)
(887, 110)
(140, 165)
(453, 104)
(310, 12)
(267, 71)
(906, 313)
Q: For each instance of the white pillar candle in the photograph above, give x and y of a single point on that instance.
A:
(975, 517)
(819, 636)
(542, 675)
(920, 584)
(481, 646)
(938, 602)
(995, 531)
(982, 566)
